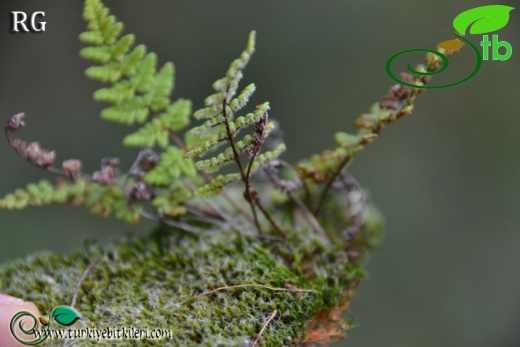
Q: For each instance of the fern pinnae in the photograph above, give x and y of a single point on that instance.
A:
(222, 127)
(138, 89)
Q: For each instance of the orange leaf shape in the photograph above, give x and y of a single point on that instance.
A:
(451, 45)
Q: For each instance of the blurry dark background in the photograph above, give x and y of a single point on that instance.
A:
(447, 178)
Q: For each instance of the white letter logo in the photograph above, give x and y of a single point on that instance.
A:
(19, 22)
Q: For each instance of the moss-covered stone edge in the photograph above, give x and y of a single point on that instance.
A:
(143, 281)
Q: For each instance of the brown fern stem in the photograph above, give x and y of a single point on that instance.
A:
(268, 216)
(327, 188)
(244, 176)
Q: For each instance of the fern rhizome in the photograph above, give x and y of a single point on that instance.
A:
(312, 215)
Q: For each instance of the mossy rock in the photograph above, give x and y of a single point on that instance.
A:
(156, 282)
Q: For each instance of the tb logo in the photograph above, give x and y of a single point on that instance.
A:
(479, 20)
(19, 22)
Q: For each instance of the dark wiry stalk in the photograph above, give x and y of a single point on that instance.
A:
(326, 190)
(267, 215)
(300, 204)
(253, 153)
(169, 222)
(245, 178)
(177, 140)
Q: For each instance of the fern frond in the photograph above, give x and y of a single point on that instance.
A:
(221, 127)
(241, 101)
(138, 88)
(157, 131)
(172, 166)
(139, 92)
(100, 200)
(43, 193)
(227, 157)
(323, 167)
(151, 134)
(217, 184)
(104, 201)
(170, 202)
(211, 136)
(264, 158)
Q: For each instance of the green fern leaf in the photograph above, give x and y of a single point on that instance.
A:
(171, 167)
(44, 193)
(221, 127)
(106, 200)
(217, 184)
(138, 88)
(148, 136)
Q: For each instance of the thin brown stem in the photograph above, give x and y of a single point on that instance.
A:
(308, 214)
(300, 204)
(89, 268)
(259, 335)
(236, 158)
(253, 285)
(169, 222)
(177, 140)
(268, 216)
(9, 128)
(327, 188)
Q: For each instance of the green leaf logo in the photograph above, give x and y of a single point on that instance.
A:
(65, 315)
(483, 20)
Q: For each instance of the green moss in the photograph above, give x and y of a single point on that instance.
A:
(142, 282)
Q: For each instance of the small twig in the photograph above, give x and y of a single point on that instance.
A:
(177, 140)
(253, 153)
(203, 216)
(45, 159)
(307, 213)
(259, 335)
(326, 190)
(169, 222)
(228, 218)
(89, 268)
(356, 204)
(41, 158)
(268, 216)
(256, 285)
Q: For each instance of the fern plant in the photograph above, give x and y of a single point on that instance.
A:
(221, 127)
(171, 179)
(139, 93)
(312, 217)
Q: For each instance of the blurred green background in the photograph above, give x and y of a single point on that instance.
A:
(447, 178)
